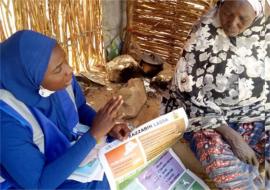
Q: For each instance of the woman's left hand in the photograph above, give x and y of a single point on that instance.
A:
(120, 131)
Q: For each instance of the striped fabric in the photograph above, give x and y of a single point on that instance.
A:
(220, 163)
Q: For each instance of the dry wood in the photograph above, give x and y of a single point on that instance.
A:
(76, 24)
(162, 26)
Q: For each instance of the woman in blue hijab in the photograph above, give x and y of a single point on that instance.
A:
(41, 105)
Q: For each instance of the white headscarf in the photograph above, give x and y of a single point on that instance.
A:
(264, 2)
(257, 5)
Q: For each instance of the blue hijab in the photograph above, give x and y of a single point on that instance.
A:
(24, 61)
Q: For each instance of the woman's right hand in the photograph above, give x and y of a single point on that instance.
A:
(267, 169)
(243, 151)
(105, 118)
(238, 145)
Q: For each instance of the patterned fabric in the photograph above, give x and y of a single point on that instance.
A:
(220, 163)
(225, 80)
(222, 80)
(267, 146)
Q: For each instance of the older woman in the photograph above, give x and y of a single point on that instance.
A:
(222, 80)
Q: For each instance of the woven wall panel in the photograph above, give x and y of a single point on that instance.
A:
(76, 24)
(162, 27)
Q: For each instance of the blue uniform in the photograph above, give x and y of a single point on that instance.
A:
(23, 165)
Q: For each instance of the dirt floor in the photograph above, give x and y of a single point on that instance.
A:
(98, 95)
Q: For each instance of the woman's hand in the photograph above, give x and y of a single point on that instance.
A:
(105, 118)
(239, 147)
(243, 151)
(267, 170)
(120, 131)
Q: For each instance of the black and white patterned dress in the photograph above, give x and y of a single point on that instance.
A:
(223, 80)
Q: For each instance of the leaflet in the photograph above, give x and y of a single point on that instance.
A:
(124, 161)
(166, 172)
(90, 169)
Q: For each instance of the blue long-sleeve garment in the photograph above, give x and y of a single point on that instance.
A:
(24, 165)
(28, 53)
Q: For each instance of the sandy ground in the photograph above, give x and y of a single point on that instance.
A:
(98, 95)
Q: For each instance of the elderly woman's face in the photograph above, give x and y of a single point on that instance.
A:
(59, 73)
(236, 16)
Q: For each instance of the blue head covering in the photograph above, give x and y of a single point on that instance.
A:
(24, 60)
